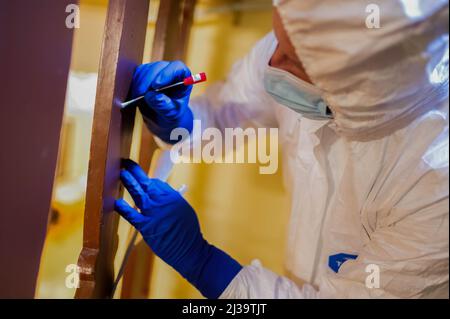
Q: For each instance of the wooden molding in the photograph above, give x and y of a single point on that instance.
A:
(122, 51)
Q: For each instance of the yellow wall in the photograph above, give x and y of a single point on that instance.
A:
(241, 211)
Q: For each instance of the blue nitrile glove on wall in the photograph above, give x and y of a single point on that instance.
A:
(170, 227)
(167, 110)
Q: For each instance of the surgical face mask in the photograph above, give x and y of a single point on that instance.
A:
(298, 95)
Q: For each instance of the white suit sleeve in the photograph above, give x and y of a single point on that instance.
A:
(406, 256)
(241, 100)
(238, 102)
(407, 274)
(257, 282)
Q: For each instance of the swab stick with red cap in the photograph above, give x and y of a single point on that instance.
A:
(193, 79)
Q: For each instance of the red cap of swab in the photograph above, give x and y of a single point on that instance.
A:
(196, 78)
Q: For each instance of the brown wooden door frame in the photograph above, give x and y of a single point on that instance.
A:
(170, 42)
(123, 46)
(122, 51)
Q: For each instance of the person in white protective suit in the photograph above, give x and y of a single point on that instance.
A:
(363, 120)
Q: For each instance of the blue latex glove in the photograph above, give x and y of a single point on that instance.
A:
(170, 227)
(166, 111)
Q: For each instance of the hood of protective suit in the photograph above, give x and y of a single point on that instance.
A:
(376, 77)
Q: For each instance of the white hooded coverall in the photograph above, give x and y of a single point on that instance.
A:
(373, 181)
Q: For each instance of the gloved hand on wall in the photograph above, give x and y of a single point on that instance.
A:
(165, 111)
(170, 227)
